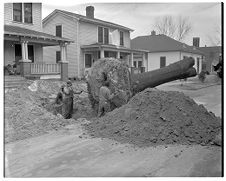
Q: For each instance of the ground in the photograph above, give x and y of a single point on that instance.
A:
(72, 152)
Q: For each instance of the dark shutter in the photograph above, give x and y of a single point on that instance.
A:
(59, 30)
(162, 62)
(106, 36)
(121, 38)
(100, 34)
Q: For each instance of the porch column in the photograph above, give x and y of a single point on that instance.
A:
(118, 55)
(101, 53)
(25, 63)
(63, 62)
(24, 50)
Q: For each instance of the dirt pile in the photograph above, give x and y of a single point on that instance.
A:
(154, 117)
(29, 110)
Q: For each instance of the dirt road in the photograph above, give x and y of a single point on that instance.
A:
(70, 152)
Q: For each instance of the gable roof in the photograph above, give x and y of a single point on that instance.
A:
(162, 43)
(86, 19)
(18, 31)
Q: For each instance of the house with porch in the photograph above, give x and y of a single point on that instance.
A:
(163, 50)
(24, 40)
(93, 39)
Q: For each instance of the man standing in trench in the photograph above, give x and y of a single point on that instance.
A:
(104, 99)
(67, 108)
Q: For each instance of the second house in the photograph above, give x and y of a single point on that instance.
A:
(93, 39)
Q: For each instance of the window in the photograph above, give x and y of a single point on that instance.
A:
(121, 38)
(106, 36)
(103, 35)
(139, 63)
(28, 12)
(106, 54)
(59, 30)
(58, 56)
(88, 60)
(17, 12)
(162, 62)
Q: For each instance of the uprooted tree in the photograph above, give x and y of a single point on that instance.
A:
(126, 85)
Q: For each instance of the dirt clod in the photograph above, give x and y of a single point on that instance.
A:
(161, 118)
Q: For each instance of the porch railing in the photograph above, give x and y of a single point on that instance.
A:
(45, 68)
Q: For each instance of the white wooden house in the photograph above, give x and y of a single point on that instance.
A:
(24, 41)
(93, 39)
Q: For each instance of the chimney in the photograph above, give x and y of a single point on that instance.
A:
(153, 33)
(196, 41)
(90, 12)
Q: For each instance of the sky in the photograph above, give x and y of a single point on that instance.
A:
(204, 17)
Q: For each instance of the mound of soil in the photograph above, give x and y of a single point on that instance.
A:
(29, 110)
(154, 117)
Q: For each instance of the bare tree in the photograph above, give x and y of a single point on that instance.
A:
(165, 25)
(177, 28)
(215, 37)
(183, 28)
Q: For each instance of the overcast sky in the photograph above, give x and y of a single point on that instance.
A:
(140, 17)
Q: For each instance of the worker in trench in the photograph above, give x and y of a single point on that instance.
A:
(105, 98)
(65, 96)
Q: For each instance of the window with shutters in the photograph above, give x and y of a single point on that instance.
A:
(17, 12)
(59, 30)
(162, 62)
(58, 56)
(103, 35)
(28, 12)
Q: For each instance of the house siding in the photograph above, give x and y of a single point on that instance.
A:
(154, 59)
(9, 55)
(69, 30)
(38, 53)
(171, 57)
(36, 14)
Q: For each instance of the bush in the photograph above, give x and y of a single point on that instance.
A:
(202, 76)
